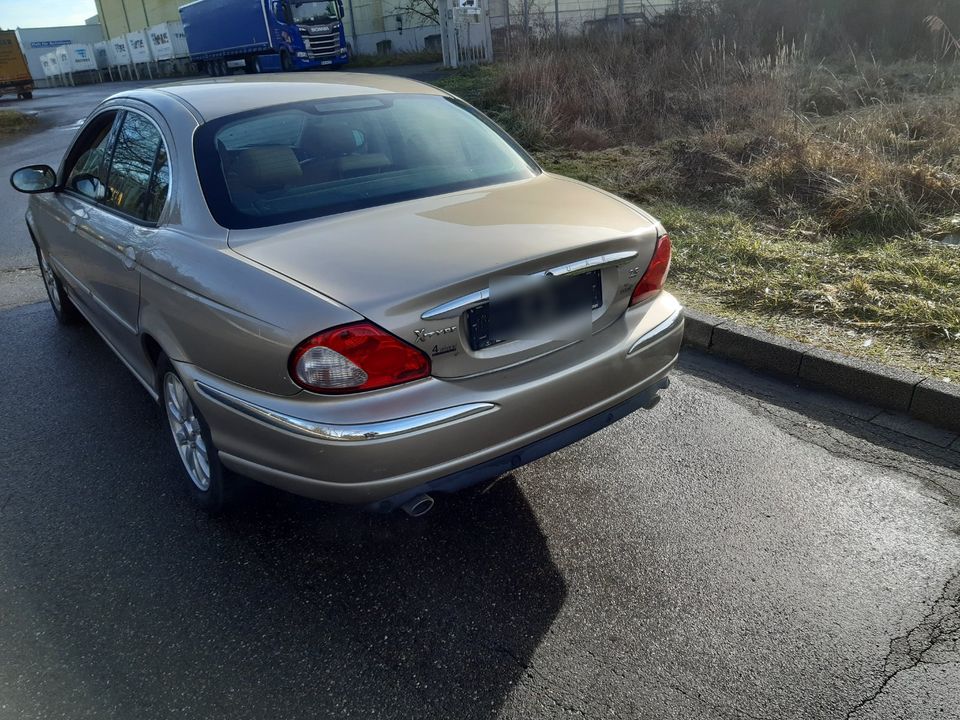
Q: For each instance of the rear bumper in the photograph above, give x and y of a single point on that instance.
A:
(644, 400)
(440, 435)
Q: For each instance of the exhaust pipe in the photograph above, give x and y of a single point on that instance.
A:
(418, 506)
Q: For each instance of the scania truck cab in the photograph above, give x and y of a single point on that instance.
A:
(264, 35)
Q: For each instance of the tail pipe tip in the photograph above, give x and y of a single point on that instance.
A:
(418, 506)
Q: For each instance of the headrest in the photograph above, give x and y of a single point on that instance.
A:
(270, 166)
(337, 139)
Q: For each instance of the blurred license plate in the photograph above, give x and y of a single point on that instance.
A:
(553, 305)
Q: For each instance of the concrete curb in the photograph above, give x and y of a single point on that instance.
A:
(926, 399)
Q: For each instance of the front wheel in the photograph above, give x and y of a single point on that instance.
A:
(209, 483)
(286, 62)
(63, 307)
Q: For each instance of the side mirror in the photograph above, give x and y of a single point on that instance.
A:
(90, 186)
(34, 179)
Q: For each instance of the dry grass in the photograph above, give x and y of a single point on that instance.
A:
(581, 96)
(803, 197)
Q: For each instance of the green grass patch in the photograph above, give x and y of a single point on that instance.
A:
(12, 121)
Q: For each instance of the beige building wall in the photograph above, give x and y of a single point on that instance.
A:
(123, 16)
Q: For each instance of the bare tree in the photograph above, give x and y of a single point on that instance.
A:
(428, 10)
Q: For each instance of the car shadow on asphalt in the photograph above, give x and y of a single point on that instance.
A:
(143, 606)
(815, 414)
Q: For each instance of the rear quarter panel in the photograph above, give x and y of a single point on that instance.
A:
(209, 307)
(206, 305)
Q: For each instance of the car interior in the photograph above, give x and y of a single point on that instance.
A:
(278, 160)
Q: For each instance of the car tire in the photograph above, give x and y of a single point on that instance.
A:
(253, 65)
(63, 308)
(285, 62)
(210, 485)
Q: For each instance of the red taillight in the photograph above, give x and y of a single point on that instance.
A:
(652, 281)
(354, 358)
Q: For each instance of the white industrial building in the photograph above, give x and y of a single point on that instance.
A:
(37, 42)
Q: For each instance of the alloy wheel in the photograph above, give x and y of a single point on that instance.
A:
(187, 431)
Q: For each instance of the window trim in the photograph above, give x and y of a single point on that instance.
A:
(121, 111)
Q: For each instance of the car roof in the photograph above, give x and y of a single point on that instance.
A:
(211, 98)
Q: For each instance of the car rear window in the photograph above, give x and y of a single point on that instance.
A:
(306, 160)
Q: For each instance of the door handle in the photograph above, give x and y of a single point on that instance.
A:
(129, 258)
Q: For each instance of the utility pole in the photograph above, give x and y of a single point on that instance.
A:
(556, 17)
(620, 18)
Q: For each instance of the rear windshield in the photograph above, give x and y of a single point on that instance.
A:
(306, 160)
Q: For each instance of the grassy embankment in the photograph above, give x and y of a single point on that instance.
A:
(818, 201)
(13, 121)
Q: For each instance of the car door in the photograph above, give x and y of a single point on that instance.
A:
(82, 185)
(114, 220)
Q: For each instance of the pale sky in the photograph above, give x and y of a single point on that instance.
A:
(44, 13)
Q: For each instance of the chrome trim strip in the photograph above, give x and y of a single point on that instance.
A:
(344, 433)
(455, 307)
(593, 263)
(658, 333)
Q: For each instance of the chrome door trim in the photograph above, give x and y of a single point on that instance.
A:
(459, 305)
(344, 433)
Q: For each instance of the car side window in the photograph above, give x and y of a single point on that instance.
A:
(139, 173)
(86, 165)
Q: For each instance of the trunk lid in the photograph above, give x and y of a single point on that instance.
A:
(416, 268)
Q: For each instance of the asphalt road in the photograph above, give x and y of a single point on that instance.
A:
(748, 549)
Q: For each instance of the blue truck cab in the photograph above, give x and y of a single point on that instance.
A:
(264, 35)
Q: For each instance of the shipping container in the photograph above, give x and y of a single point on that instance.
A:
(14, 75)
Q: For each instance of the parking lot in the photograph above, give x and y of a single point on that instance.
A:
(747, 549)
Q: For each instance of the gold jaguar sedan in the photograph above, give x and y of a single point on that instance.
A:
(357, 289)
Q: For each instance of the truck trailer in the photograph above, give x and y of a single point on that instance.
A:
(264, 35)
(14, 74)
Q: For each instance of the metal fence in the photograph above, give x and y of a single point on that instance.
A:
(545, 17)
(485, 29)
